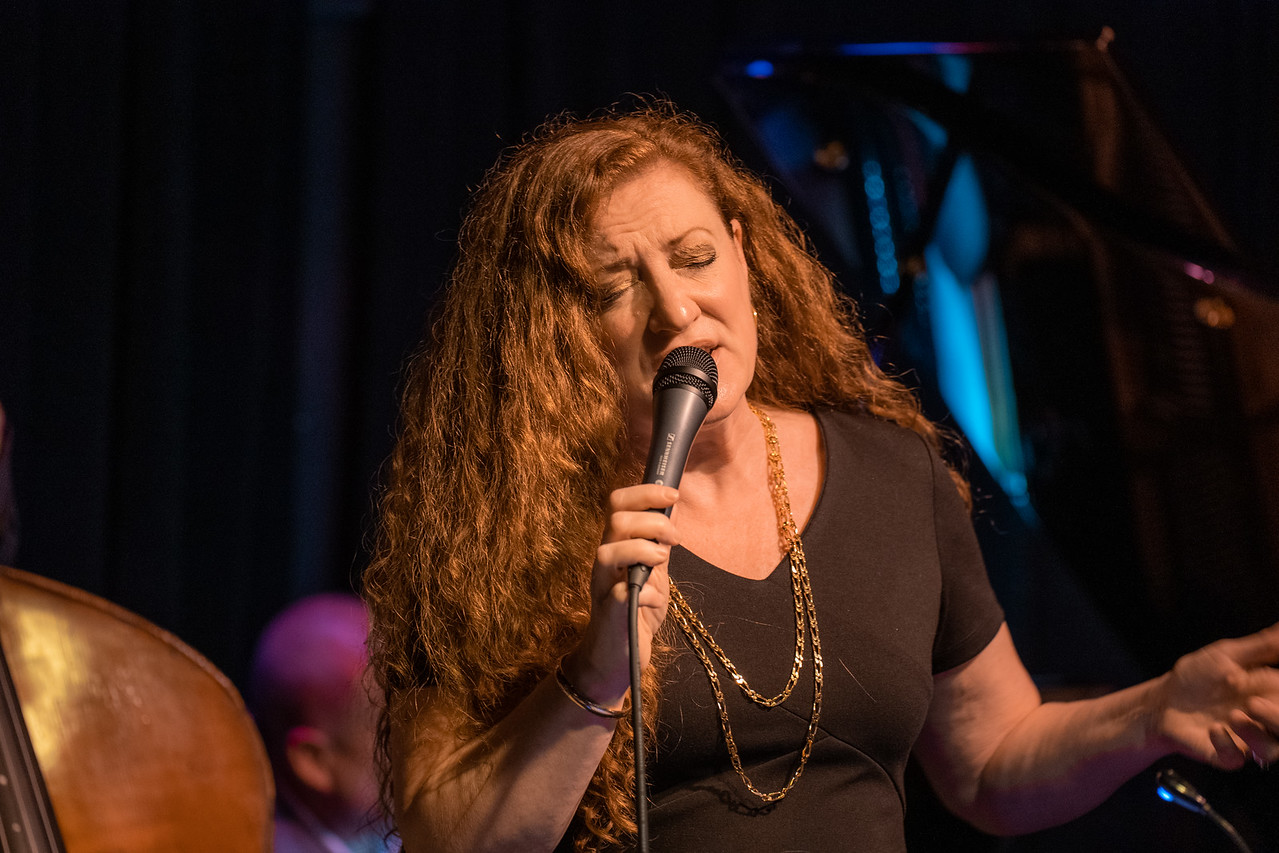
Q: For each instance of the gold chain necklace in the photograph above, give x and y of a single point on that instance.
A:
(805, 614)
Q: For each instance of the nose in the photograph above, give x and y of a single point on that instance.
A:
(674, 309)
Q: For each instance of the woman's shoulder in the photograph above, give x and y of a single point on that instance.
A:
(881, 450)
(862, 429)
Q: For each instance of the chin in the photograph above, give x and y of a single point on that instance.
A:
(726, 404)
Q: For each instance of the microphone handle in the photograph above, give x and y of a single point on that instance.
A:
(680, 411)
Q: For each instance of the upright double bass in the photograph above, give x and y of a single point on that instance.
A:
(119, 738)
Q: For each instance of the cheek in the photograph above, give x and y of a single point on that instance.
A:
(736, 375)
(614, 337)
(623, 339)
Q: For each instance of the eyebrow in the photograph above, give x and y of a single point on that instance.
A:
(622, 264)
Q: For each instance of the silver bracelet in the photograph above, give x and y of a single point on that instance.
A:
(581, 701)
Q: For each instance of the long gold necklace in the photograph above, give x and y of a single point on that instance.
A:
(805, 616)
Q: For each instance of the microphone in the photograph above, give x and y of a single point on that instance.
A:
(1172, 788)
(684, 390)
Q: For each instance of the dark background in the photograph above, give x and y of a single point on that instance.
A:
(222, 223)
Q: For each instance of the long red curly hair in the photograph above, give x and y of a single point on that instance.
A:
(512, 427)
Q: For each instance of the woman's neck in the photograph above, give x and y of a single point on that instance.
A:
(726, 513)
(722, 445)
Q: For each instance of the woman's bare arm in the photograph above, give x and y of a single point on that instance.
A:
(1010, 764)
(516, 786)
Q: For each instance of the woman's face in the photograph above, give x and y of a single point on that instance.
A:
(671, 273)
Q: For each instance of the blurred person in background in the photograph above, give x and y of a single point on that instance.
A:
(317, 714)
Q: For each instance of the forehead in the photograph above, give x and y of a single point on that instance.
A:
(663, 201)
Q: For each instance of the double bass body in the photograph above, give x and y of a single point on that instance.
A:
(143, 745)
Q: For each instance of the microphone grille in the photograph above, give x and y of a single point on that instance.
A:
(691, 367)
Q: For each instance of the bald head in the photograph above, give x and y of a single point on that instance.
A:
(308, 666)
(309, 692)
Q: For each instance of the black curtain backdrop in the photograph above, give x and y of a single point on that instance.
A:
(223, 221)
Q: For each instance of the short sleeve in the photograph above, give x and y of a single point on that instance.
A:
(970, 614)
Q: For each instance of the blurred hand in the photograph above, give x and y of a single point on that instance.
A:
(1220, 704)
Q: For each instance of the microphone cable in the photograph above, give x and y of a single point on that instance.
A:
(637, 715)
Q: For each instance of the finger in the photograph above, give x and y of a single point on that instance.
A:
(617, 557)
(642, 497)
(1257, 649)
(1230, 753)
(655, 592)
(1262, 745)
(1258, 725)
(656, 589)
(651, 595)
(1263, 682)
(1265, 711)
(660, 580)
(641, 525)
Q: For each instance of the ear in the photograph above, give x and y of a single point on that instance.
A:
(738, 239)
(306, 750)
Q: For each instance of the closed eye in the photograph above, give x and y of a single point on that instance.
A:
(695, 260)
(611, 292)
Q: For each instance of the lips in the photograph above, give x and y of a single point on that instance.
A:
(707, 348)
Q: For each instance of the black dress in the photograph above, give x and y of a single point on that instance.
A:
(900, 592)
